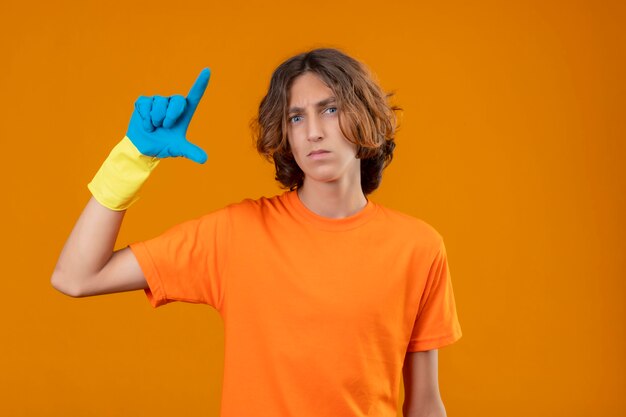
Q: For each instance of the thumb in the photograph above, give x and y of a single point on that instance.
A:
(193, 152)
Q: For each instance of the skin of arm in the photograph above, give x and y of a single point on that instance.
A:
(87, 264)
(158, 127)
(421, 385)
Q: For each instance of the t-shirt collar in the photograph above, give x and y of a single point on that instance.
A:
(346, 223)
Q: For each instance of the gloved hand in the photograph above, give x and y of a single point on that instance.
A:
(157, 129)
(158, 126)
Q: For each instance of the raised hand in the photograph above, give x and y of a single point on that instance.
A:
(158, 125)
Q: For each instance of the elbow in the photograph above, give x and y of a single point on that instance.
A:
(65, 286)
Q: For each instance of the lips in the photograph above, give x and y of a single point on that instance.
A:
(318, 152)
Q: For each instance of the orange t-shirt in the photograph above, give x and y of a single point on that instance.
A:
(318, 312)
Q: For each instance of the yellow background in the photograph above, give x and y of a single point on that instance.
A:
(512, 146)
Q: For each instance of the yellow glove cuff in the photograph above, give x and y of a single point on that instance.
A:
(121, 176)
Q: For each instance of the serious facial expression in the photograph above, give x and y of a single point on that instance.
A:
(317, 143)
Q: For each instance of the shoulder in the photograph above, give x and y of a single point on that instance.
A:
(257, 206)
(411, 226)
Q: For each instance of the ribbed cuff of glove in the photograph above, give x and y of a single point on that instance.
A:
(117, 183)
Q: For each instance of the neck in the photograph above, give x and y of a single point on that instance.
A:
(333, 199)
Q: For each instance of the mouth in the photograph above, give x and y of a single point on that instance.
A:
(319, 151)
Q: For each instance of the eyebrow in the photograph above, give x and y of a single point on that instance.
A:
(318, 105)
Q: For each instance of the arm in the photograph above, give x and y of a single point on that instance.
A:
(421, 385)
(158, 126)
(87, 264)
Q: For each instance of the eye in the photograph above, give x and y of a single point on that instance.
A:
(332, 108)
(291, 119)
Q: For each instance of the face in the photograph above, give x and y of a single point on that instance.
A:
(313, 125)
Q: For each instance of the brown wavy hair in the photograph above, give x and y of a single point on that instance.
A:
(365, 116)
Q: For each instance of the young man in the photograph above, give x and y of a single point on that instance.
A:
(327, 298)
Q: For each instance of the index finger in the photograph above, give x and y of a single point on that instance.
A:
(197, 90)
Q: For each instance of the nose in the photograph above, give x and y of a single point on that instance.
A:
(314, 129)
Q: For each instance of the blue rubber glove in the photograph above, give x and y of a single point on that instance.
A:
(158, 125)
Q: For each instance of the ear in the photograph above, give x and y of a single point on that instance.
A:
(359, 152)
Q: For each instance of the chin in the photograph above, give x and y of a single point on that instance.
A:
(322, 178)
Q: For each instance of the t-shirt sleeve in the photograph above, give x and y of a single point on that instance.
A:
(187, 262)
(436, 324)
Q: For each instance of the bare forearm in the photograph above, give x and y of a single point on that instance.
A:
(88, 248)
(441, 413)
(437, 413)
(431, 409)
